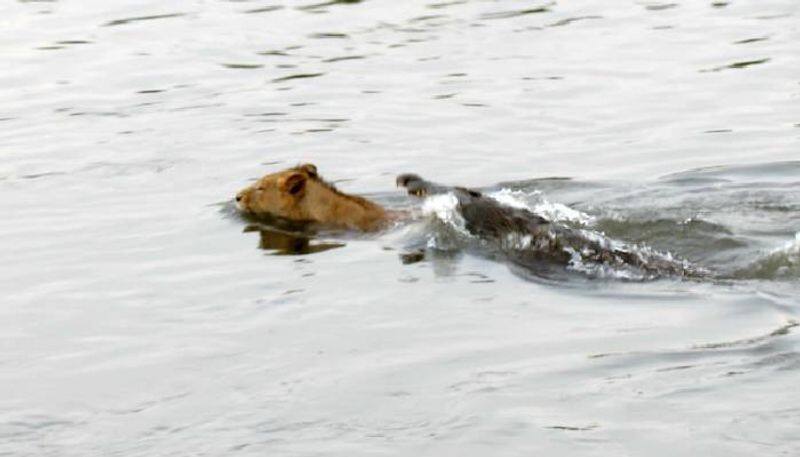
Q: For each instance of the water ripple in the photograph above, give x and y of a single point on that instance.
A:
(142, 18)
(297, 76)
(737, 65)
(264, 9)
(515, 13)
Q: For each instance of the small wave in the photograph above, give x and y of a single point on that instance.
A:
(692, 238)
(782, 263)
(785, 172)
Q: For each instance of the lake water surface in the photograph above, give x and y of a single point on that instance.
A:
(141, 316)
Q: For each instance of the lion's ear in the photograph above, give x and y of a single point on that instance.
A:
(294, 184)
(310, 169)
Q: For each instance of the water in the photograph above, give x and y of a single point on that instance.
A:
(141, 317)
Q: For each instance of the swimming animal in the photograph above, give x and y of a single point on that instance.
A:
(529, 239)
(299, 194)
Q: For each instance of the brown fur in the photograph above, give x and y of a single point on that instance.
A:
(300, 194)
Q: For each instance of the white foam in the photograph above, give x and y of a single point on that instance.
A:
(792, 247)
(790, 253)
(551, 211)
(513, 198)
(445, 208)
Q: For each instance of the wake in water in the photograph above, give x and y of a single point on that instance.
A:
(704, 224)
(502, 224)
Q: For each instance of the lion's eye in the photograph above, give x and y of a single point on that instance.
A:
(259, 188)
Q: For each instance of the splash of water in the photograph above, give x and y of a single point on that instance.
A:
(790, 249)
(551, 211)
(445, 208)
(452, 230)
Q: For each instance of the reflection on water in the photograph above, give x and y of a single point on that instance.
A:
(287, 243)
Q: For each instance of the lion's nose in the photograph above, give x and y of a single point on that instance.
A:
(238, 198)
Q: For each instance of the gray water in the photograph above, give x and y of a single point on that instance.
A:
(141, 316)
